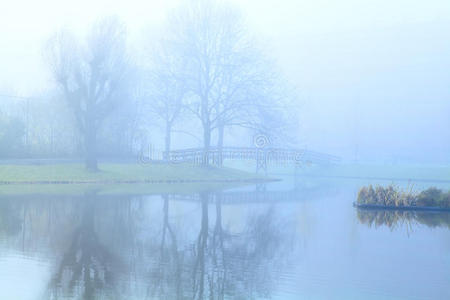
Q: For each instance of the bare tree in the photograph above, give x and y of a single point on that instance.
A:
(166, 88)
(91, 76)
(228, 79)
(203, 35)
(250, 96)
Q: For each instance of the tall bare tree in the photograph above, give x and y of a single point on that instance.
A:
(165, 88)
(91, 75)
(203, 34)
(227, 77)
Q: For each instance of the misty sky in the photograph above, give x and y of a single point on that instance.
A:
(373, 76)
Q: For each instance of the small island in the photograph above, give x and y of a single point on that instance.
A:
(392, 197)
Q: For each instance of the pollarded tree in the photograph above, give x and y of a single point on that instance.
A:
(91, 75)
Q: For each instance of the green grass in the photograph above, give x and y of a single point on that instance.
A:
(119, 173)
(168, 178)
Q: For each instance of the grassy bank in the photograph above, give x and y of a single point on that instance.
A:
(120, 173)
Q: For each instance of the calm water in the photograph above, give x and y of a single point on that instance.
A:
(279, 241)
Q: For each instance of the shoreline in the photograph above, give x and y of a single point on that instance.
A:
(149, 181)
(391, 207)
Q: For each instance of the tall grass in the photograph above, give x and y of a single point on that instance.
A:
(397, 197)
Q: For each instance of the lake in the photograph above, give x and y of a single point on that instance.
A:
(300, 238)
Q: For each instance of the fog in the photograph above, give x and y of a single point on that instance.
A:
(224, 149)
(370, 79)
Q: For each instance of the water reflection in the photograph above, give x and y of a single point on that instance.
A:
(218, 262)
(398, 218)
(251, 243)
(10, 221)
(121, 247)
(87, 265)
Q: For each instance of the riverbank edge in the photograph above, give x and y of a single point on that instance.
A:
(149, 181)
(391, 207)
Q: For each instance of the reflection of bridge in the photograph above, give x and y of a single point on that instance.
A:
(225, 197)
(258, 196)
(262, 156)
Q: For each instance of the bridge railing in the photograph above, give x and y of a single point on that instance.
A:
(262, 155)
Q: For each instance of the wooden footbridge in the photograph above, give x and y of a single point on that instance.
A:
(262, 156)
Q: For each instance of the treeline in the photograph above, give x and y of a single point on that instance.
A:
(43, 127)
(203, 78)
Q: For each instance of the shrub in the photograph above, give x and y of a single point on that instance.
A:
(393, 196)
(429, 197)
(445, 200)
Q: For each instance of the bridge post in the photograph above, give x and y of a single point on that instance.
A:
(220, 157)
(212, 154)
(297, 182)
(261, 160)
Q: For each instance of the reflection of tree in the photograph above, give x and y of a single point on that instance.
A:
(92, 238)
(10, 220)
(207, 257)
(27, 223)
(198, 270)
(166, 278)
(218, 252)
(218, 263)
(88, 238)
(260, 253)
(396, 218)
(87, 264)
(241, 265)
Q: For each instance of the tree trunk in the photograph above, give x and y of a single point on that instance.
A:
(206, 144)
(220, 145)
(201, 248)
(168, 140)
(90, 141)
